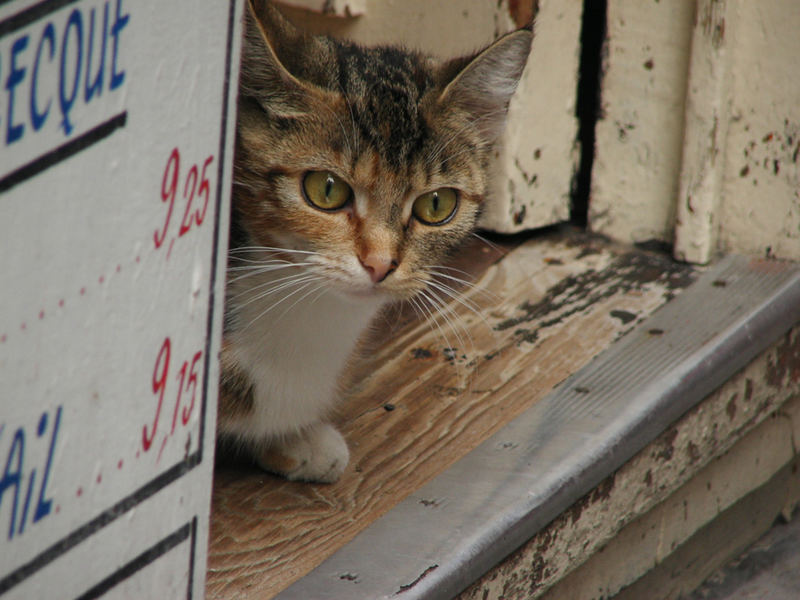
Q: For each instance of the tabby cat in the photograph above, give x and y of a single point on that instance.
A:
(357, 171)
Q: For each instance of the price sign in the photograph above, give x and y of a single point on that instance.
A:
(116, 129)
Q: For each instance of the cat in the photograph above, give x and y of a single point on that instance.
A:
(356, 172)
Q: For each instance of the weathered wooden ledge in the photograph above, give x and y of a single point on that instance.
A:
(392, 524)
(691, 500)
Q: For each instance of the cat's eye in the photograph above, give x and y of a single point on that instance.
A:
(436, 207)
(326, 191)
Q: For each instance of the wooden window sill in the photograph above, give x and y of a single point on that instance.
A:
(463, 449)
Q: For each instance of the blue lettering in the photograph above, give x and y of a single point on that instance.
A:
(61, 67)
(68, 100)
(32, 477)
(12, 478)
(44, 505)
(117, 77)
(89, 90)
(24, 517)
(37, 117)
(14, 132)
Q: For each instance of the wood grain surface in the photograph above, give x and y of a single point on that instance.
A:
(425, 395)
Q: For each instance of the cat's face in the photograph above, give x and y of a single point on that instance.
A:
(372, 227)
(367, 165)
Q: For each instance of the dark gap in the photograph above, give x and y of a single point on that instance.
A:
(587, 108)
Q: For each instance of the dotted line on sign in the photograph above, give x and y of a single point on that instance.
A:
(46, 313)
(195, 218)
(80, 490)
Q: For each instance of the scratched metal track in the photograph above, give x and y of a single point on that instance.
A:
(503, 492)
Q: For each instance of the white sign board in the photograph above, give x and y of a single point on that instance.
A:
(116, 129)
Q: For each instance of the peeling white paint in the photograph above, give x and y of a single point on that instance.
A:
(639, 134)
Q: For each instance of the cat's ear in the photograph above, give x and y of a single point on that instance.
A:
(483, 85)
(274, 58)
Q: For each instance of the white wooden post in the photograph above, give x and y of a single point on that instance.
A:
(705, 133)
(639, 133)
(116, 129)
(538, 155)
(698, 141)
(748, 64)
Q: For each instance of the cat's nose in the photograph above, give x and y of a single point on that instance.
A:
(378, 267)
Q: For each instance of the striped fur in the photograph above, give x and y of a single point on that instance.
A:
(394, 125)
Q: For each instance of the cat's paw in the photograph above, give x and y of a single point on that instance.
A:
(318, 454)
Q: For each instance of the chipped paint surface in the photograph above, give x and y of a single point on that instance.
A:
(705, 133)
(760, 211)
(537, 158)
(663, 484)
(640, 127)
(648, 544)
(742, 193)
(723, 175)
(340, 8)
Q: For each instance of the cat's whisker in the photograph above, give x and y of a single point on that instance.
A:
(252, 261)
(472, 287)
(457, 321)
(461, 299)
(489, 243)
(452, 293)
(446, 268)
(263, 270)
(420, 316)
(274, 290)
(270, 249)
(430, 318)
(233, 253)
(255, 270)
(256, 264)
(233, 277)
(268, 265)
(457, 296)
(282, 300)
(276, 283)
(425, 317)
(445, 311)
(303, 297)
(322, 290)
(282, 283)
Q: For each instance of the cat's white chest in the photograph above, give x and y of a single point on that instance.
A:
(294, 355)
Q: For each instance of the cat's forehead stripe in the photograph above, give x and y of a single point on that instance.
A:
(383, 87)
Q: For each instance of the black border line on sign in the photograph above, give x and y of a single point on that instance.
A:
(187, 464)
(93, 526)
(216, 237)
(31, 14)
(63, 152)
(149, 556)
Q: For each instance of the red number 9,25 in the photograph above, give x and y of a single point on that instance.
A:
(204, 191)
(169, 186)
